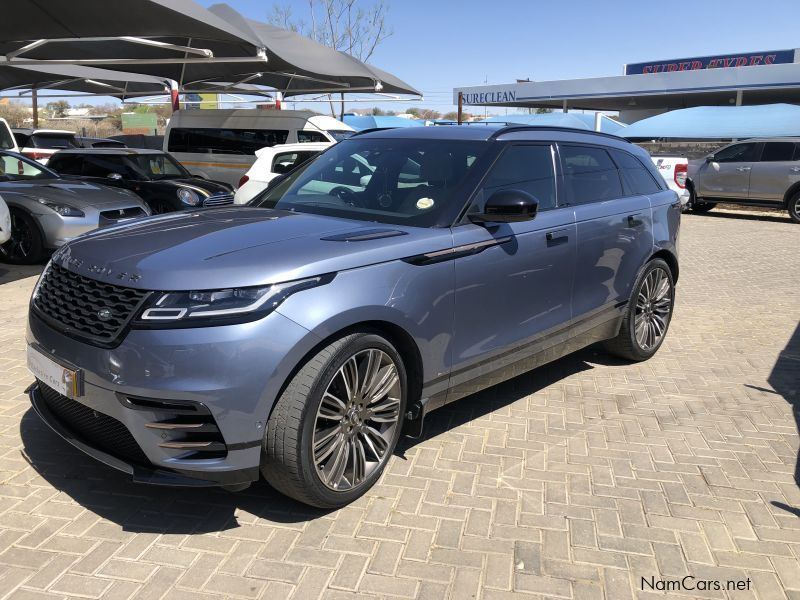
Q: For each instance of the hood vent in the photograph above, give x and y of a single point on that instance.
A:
(364, 235)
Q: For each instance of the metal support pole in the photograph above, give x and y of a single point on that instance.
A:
(35, 105)
(598, 121)
(460, 107)
(739, 95)
(564, 106)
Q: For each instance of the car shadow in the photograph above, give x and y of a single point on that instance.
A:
(173, 510)
(785, 380)
(11, 273)
(722, 212)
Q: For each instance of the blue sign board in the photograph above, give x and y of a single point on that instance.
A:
(726, 61)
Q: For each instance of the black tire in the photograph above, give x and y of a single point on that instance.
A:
(698, 206)
(626, 344)
(288, 461)
(794, 207)
(26, 245)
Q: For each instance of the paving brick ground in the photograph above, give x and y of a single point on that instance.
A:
(574, 481)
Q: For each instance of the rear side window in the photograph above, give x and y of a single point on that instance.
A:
(103, 166)
(777, 152)
(589, 174)
(310, 136)
(224, 141)
(66, 164)
(286, 161)
(637, 180)
(737, 153)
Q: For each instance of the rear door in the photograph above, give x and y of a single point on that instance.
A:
(727, 175)
(776, 171)
(614, 227)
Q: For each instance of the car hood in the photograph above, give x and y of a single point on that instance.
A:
(80, 194)
(239, 247)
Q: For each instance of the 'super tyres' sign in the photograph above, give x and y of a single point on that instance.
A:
(750, 59)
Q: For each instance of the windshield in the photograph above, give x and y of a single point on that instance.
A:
(155, 166)
(396, 181)
(340, 134)
(14, 167)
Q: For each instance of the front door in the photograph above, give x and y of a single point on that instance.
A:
(514, 280)
(727, 174)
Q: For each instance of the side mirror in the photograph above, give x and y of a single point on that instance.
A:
(710, 158)
(114, 176)
(507, 206)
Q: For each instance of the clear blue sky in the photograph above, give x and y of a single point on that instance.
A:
(438, 45)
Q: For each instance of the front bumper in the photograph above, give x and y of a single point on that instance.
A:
(233, 372)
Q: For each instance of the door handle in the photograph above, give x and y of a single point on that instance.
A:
(742, 169)
(557, 236)
(634, 220)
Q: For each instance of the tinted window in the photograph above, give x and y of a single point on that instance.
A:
(589, 174)
(286, 161)
(777, 151)
(526, 168)
(22, 139)
(103, 166)
(310, 136)
(637, 179)
(52, 140)
(736, 153)
(66, 164)
(224, 141)
(398, 181)
(6, 138)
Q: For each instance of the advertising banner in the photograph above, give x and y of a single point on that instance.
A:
(724, 61)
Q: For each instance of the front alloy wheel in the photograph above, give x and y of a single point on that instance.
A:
(336, 424)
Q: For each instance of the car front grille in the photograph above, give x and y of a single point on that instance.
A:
(86, 308)
(219, 199)
(112, 217)
(93, 428)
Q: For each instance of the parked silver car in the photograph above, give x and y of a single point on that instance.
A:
(48, 211)
(756, 172)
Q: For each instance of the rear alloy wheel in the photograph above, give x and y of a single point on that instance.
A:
(25, 246)
(335, 426)
(648, 316)
(794, 207)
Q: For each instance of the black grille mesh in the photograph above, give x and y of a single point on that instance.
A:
(93, 428)
(74, 302)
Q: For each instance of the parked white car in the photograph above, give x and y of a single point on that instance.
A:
(274, 161)
(674, 170)
(41, 144)
(5, 222)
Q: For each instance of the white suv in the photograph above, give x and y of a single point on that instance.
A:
(274, 161)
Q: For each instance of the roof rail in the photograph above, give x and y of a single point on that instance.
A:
(518, 127)
(371, 129)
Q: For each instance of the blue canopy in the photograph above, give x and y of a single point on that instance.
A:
(359, 122)
(560, 119)
(719, 122)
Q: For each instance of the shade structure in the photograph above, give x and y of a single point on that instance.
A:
(560, 119)
(361, 122)
(719, 122)
(181, 41)
(87, 80)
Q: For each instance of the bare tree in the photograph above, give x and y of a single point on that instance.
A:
(356, 27)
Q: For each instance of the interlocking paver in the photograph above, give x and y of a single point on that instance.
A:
(573, 481)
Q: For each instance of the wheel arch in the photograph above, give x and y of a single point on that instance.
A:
(671, 260)
(789, 193)
(12, 206)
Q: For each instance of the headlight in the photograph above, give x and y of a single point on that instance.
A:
(188, 196)
(65, 210)
(202, 308)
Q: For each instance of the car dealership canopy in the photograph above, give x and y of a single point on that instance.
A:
(181, 41)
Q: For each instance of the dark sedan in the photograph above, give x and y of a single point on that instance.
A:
(163, 183)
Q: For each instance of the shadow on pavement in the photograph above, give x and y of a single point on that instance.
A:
(147, 508)
(785, 380)
(773, 216)
(9, 273)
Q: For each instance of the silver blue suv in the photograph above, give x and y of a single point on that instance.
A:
(300, 336)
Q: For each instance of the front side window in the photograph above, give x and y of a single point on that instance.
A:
(737, 153)
(66, 164)
(103, 166)
(526, 168)
(16, 168)
(286, 161)
(397, 181)
(638, 180)
(777, 152)
(154, 166)
(589, 174)
(224, 141)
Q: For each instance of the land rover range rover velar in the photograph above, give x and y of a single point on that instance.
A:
(299, 336)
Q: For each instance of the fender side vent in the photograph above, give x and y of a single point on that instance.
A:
(364, 235)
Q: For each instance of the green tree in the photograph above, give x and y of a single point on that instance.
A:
(57, 109)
